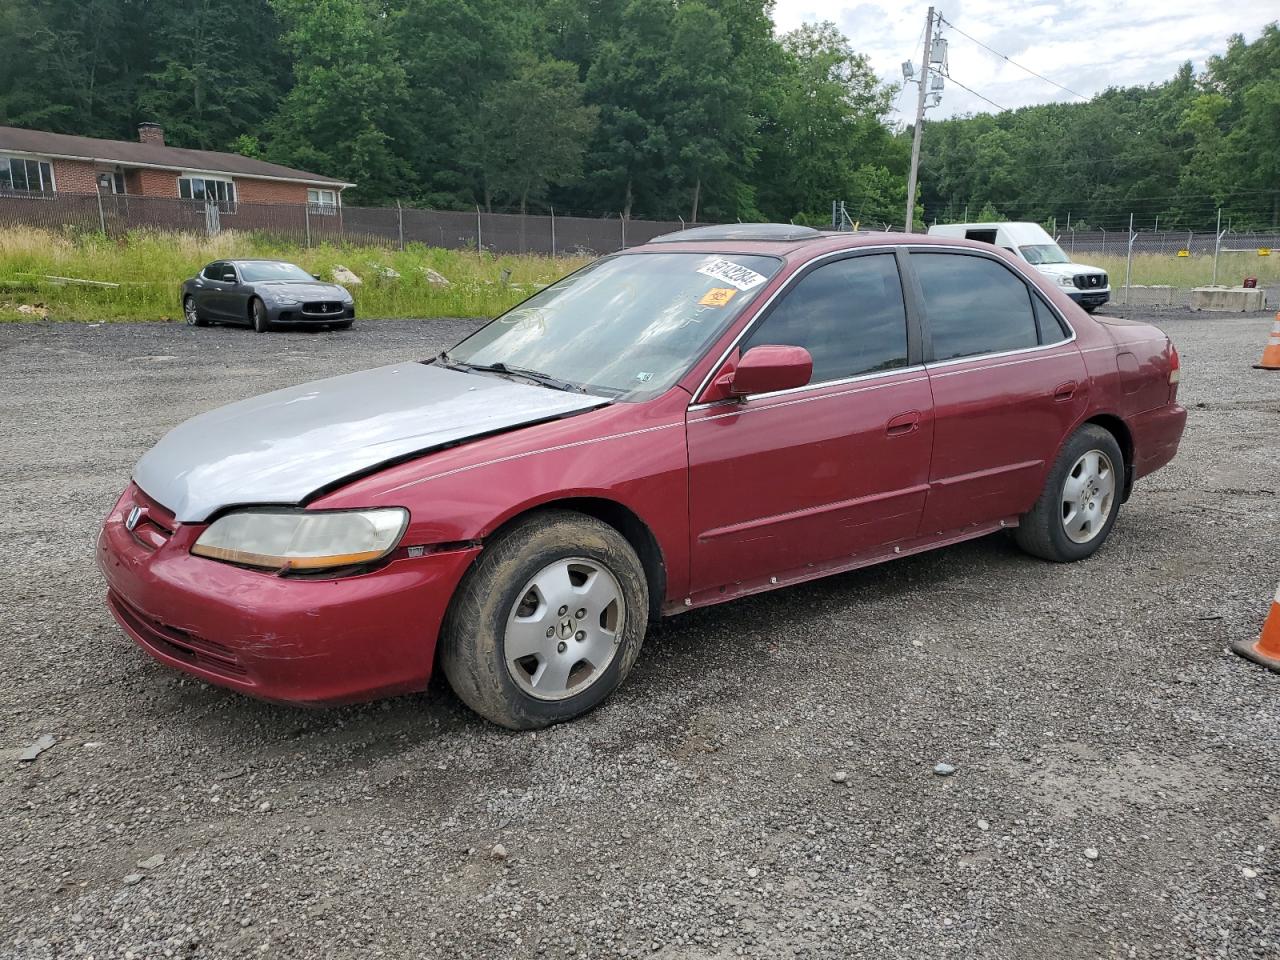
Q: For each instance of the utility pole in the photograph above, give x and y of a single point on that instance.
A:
(915, 139)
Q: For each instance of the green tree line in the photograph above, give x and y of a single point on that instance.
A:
(647, 108)
(1176, 151)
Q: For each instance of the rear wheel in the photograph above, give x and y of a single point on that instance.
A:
(258, 310)
(1081, 498)
(547, 623)
(192, 313)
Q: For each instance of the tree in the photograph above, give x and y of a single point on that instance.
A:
(531, 132)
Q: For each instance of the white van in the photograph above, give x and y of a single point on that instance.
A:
(1085, 285)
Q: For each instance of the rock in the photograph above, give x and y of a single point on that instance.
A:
(499, 852)
(944, 769)
(344, 276)
(435, 279)
(839, 776)
(43, 743)
(150, 863)
(1249, 873)
(133, 878)
(264, 806)
(753, 872)
(984, 826)
(30, 310)
(1091, 853)
(387, 273)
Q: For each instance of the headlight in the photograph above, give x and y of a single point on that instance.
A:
(301, 540)
(286, 301)
(1065, 281)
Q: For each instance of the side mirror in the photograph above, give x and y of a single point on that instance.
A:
(769, 367)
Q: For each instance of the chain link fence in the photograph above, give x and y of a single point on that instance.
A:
(311, 225)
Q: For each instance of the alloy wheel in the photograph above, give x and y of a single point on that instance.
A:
(1087, 496)
(564, 628)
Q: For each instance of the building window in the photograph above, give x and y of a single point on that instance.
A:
(209, 190)
(111, 182)
(323, 201)
(18, 176)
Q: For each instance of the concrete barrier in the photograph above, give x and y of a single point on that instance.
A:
(1229, 299)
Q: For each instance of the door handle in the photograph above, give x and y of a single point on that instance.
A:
(1064, 391)
(903, 423)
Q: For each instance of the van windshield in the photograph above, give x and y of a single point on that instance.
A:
(1044, 253)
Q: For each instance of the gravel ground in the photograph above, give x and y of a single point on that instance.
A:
(762, 786)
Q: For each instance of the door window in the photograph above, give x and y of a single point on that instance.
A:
(974, 305)
(849, 315)
(214, 271)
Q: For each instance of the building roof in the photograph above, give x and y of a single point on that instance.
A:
(65, 146)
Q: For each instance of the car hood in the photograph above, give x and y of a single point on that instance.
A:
(286, 446)
(301, 290)
(1066, 269)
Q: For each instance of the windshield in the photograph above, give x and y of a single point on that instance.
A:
(256, 270)
(625, 326)
(1044, 253)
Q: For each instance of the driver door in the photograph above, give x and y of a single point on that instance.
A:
(824, 472)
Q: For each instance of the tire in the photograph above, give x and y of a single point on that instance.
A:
(494, 646)
(258, 310)
(192, 314)
(1080, 500)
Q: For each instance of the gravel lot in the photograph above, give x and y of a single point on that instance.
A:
(1117, 771)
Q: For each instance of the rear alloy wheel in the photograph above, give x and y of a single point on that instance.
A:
(191, 313)
(261, 323)
(547, 623)
(1081, 498)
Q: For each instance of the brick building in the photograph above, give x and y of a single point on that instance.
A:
(35, 163)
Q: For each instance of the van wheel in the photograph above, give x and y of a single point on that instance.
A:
(547, 623)
(1080, 500)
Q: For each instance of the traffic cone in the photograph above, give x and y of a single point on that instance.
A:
(1271, 352)
(1266, 649)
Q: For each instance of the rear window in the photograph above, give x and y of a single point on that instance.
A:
(974, 305)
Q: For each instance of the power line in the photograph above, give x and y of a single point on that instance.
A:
(975, 93)
(1014, 62)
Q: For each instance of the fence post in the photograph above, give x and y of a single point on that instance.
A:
(102, 217)
(306, 218)
(400, 222)
(553, 231)
(1128, 263)
(623, 221)
(479, 234)
(1217, 245)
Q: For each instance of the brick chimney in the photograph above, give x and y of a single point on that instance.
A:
(151, 133)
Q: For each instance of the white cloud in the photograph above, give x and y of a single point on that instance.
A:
(1087, 45)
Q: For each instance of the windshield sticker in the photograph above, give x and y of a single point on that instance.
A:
(717, 297)
(730, 272)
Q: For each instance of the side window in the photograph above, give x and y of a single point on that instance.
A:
(228, 273)
(1052, 330)
(974, 305)
(213, 271)
(849, 315)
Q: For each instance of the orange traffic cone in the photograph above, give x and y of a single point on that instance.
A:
(1271, 352)
(1266, 649)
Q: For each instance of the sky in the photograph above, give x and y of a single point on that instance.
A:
(1086, 45)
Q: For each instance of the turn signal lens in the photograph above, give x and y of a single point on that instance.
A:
(302, 540)
(1175, 365)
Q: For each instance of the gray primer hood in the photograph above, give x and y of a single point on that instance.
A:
(282, 447)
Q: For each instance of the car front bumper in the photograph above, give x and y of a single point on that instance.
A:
(276, 638)
(297, 316)
(1089, 298)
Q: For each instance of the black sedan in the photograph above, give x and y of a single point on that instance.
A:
(263, 294)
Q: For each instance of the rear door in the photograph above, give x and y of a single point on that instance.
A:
(1008, 385)
(786, 480)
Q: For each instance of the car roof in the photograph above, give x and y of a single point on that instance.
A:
(806, 248)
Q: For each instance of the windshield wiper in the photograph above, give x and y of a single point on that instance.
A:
(538, 377)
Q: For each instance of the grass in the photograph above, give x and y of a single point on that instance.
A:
(149, 268)
(1186, 272)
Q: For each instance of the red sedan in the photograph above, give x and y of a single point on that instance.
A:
(719, 412)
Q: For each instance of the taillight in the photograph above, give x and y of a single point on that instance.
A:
(1175, 372)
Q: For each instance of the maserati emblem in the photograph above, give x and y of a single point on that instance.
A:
(131, 521)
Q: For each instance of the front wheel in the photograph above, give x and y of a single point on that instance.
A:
(1081, 498)
(261, 322)
(547, 623)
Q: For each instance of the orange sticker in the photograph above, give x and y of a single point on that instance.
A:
(717, 296)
